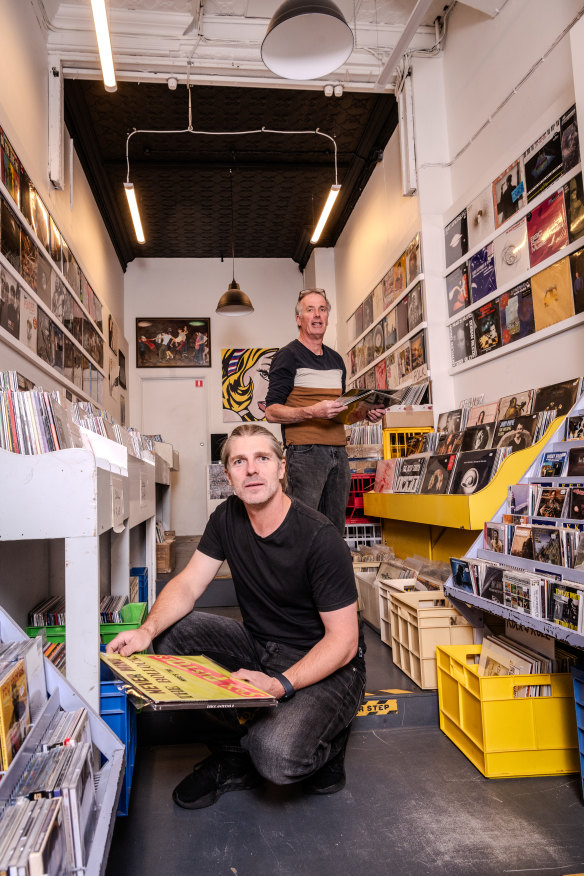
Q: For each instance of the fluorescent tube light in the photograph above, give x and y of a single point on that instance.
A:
(104, 44)
(133, 204)
(332, 197)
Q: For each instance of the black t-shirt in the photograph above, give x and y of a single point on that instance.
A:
(284, 580)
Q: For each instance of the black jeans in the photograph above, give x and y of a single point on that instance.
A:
(292, 740)
(319, 475)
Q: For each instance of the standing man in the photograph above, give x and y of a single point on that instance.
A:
(299, 639)
(306, 379)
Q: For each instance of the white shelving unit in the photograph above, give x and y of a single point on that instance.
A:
(77, 496)
(474, 607)
(108, 776)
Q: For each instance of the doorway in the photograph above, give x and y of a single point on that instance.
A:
(176, 408)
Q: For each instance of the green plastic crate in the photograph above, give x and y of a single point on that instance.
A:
(133, 615)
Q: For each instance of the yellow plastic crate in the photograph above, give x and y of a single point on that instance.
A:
(395, 440)
(420, 621)
(503, 735)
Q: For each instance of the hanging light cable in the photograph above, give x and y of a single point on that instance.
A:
(333, 193)
(234, 301)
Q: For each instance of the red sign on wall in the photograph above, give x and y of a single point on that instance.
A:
(198, 382)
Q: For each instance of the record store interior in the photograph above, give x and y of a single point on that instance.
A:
(340, 244)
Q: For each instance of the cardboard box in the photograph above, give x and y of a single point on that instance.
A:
(423, 417)
(165, 555)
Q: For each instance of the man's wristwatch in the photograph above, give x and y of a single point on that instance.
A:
(287, 685)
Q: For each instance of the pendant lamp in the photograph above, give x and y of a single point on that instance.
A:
(233, 301)
(307, 39)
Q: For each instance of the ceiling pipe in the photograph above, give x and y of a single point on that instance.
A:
(413, 23)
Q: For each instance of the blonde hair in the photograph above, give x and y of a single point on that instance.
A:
(250, 430)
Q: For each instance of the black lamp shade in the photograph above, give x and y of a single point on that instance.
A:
(234, 301)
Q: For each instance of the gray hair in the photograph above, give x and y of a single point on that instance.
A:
(304, 292)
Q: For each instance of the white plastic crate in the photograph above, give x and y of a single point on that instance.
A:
(359, 534)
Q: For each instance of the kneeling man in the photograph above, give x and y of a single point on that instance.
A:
(299, 639)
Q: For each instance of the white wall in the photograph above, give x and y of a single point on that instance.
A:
(192, 287)
(378, 231)
(24, 117)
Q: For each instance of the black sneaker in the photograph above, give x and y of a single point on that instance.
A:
(330, 778)
(212, 777)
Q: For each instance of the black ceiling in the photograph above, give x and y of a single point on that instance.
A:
(183, 180)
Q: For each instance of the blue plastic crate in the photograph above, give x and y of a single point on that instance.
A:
(120, 716)
(578, 679)
(141, 572)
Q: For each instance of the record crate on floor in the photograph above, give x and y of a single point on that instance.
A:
(120, 716)
(420, 621)
(360, 483)
(395, 441)
(362, 532)
(504, 732)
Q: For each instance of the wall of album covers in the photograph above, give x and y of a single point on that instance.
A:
(46, 301)
(387, 330)
(514, 266)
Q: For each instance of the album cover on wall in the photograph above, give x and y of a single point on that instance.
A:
(462, 340)
(552, 294)
(413, 260)
(547, 228)
(480, 219)
(516, 313)
(368, 311)
(404, 361)
(389, 329)
(511, 253)
(10, 235)
(401, 318)
(418, 350)
(570, 139)
(399, 275)
(543, 161)
(508, 193)
(378, 307)
(577, 272)
(381, 375)
(359, 320)
(457, 289)
(456, 238)
(482, 273)
(487, 327)
(387, 289)
(415, 307)
(369, 347)
(378, 340)
(574, 201)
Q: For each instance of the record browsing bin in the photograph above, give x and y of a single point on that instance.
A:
(420, 621)
(395, 441)
(133, 614)
(504, 734)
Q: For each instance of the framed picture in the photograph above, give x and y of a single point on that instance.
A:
(122, 373)
(173, 343)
